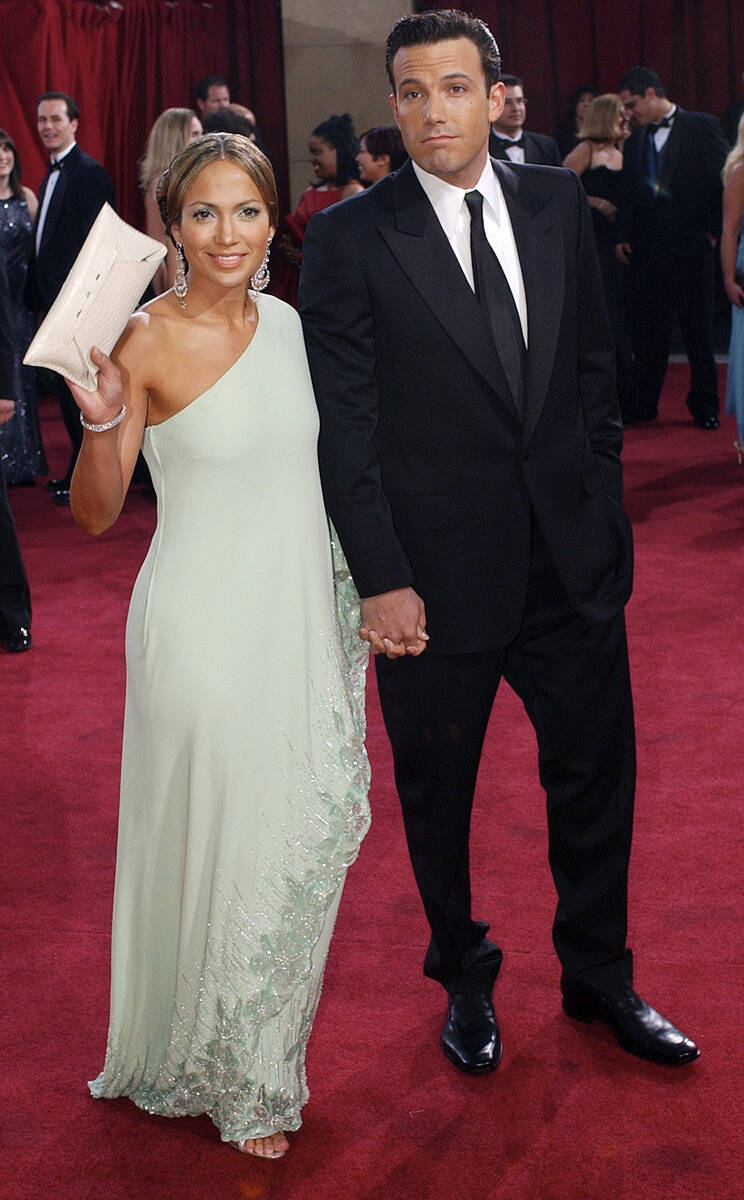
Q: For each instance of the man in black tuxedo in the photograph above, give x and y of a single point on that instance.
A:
(469, 451)
(15, 598)
(510, 141)
(666, 233)
(72, 193)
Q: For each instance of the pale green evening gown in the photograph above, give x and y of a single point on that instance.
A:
(244, 776)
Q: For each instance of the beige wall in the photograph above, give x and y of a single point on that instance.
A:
(334, 61)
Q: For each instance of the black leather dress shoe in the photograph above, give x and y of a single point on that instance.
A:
(61, 497)
(707, 422)
(470, 1037)
(53, 485)
(17, 640)
(641, 1030)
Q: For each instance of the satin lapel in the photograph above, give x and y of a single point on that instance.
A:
(421, 248)
(537, 233)
(42, 193)
(55, 207)
(55, 204)
(671, 154)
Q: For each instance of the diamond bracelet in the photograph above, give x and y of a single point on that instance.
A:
(107, 424)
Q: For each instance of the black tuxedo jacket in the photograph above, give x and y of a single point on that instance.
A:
(80, 192)
(430, 476)
(538, 148)
(688, 205)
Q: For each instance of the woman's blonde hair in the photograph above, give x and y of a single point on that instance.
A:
(601, 121)
(736, 154)
(170, 133)
(214, 147)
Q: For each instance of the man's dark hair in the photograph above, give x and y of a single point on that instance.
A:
(637, 79)
(73, 111)
(512, 81)
(424, 29)
(228, 119)
(203, 86)
(385, 139)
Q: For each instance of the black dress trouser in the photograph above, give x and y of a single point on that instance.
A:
(573, 679)
(15, 598)
(663, 283)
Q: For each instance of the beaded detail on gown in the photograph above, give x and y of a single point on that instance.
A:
(21, 449)
(244, 775)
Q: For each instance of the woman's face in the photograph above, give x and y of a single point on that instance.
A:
(370, 168)
(582, 105)
(224, 226)
(323, 159)
(7, 160)
(196, 129)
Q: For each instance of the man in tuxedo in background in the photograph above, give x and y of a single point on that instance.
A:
(469, 450)
(72, 193)
(666, 233)
(15, 598)
(510, 141)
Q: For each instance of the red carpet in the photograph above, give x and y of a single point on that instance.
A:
(568, 1115)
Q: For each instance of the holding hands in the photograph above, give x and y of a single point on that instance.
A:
(394, 623)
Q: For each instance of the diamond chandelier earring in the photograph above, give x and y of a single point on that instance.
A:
(261, 278)
(181, 283)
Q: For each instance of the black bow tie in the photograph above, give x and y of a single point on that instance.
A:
(664, 123)
(55, 164)
(507, 143)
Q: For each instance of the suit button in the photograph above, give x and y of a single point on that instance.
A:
(525, 456)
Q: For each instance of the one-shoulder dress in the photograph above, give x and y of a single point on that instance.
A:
(244, 776)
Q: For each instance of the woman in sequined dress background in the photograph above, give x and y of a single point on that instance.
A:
(21, 447)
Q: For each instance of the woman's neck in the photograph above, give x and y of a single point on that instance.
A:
(6, 192)
(233, 307)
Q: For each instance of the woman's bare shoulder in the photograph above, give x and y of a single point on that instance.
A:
(147, 329)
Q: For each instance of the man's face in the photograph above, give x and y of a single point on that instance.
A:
(638, 108)
(444, 109)
(56, 130)
(218, 95)
(514, 115)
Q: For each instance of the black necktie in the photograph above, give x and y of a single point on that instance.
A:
(507, 143)
(496, 300)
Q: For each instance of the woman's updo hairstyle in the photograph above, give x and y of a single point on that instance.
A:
(191, 161)
(338, 131)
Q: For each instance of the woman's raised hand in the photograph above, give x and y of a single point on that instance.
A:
(105, 403)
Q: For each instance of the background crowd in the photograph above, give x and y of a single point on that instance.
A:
(658, 247)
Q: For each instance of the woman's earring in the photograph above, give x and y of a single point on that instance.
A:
(181, 283)
(261, 278)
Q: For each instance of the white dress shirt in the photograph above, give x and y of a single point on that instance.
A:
(514, 153)
(661, 136)
(449, 205)
(51, 185)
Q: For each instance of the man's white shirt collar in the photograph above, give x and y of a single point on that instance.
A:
(64, 153)
(447, 200)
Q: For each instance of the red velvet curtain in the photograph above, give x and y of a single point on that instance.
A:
(696, 46)
(125, 62)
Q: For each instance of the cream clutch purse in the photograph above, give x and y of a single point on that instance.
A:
(112, 270)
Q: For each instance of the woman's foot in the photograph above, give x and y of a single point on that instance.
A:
(273, 1146)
